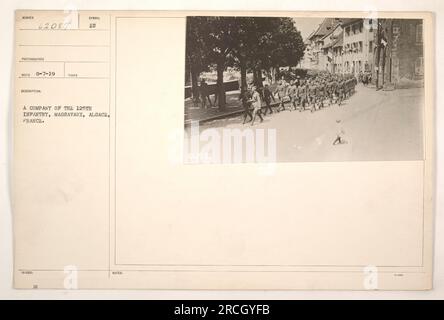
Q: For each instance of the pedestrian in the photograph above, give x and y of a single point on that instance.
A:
(365, 79)
(245, 97)
(292, 92)
(305, 95)
(330, 91)
(268, 95)
(341, 92)
(257, 105)
(216, 95)
(334, 90)
(302, 96)
(321, 94)
(281, 92)
(340, 132)
(204, 94)
(312, 88)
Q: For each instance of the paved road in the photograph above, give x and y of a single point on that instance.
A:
(378, 125)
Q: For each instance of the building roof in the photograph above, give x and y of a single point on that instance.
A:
(335, 40)
(331, 30)
(340, 41)
(348, 21)
(325, 27)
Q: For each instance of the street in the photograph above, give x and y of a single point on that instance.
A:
(376, 125)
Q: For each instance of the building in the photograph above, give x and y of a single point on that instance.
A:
(338, 54)
(327, 59)
(341, 46)
(399, 56)
(391, 49)
(358, 45)
(316, 40)
(307, 60)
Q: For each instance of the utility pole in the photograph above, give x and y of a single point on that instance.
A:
(378, 52)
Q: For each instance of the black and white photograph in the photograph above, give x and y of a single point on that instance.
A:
(285, 153)
(284, 89)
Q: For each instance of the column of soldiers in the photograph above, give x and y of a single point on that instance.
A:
(312, 94)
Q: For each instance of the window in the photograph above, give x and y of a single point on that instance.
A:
(370, 24)
(419, 66)
(347, 31)
(360, 46)
(370, 46)
(419, 33)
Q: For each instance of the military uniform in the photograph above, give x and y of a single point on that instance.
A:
(292, 93)
(245, 97)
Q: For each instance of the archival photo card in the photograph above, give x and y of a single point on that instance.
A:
(223, 150)
(265, 89)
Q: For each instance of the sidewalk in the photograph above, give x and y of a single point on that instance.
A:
(233, 107)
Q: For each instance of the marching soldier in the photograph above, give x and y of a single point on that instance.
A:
(321, 94)
(312, 95)
(292, 93)
(245, 97)
(268, 95)
(303, 95)
(281, 91)
(204, 94)
(257, 105)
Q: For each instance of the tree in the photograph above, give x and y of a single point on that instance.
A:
(249, 43)
(244, 45)
(219, 38)
(282, 45)
(196, 51)
(265, 43)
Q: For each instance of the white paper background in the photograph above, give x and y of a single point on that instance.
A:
(7, 8)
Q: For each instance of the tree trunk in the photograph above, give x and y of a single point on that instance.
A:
(194, 83)
(257, 77)
(243, 72)
(220, 85)
(273, 74)
(278, 74)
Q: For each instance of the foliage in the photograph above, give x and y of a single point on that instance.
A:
(253, 43)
